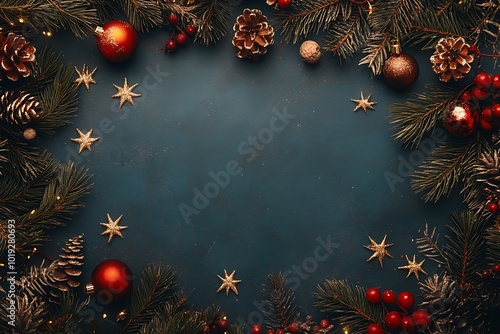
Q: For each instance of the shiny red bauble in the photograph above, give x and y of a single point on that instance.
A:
(393, 319)
(421, 319)
(373, 295)
(116, 40)
(375, 329)
(256, 329)
(406, 300)
(460, 119)
(111, 280)
(389, 297)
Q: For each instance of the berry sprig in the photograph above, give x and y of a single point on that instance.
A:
(179, 36)
(297, 327)
(491, 273)
(399, 318)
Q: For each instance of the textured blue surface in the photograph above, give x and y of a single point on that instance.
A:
(318, 178)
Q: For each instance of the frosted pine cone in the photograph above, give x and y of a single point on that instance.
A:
(253, 34)
(452, 58)
(18, 107)
(16, 56)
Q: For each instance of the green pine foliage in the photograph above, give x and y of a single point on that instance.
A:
(279, 311)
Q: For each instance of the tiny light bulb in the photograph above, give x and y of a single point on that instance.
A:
(104, 315)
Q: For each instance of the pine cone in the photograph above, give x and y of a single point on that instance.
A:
(16, 56)
(67, 266)
(451, 58)
(253, 34)
(18, 107)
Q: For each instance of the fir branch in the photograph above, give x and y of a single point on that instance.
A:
(308, 17)
(142, 14)
(420, 113)
(465, 249)
(428, 245)
(106, 10)
(67, 315)
(185, 13)
(346, 37)
(213, 20)
(445, 168)
(348, 305)
(280, 311)
(177, 323)
(377, 50)
(30, 315)
(492, 239)
(37, 281)
(3, 154)
(151, 292)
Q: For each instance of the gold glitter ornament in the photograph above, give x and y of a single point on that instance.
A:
(125, 93)
(112, 227)
(413, 267)
(85, 140)
(401, 70)
(228, 282)
(379, 250)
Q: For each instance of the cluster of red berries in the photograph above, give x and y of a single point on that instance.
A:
(293, 328)
(180, 36)
(494, 271)
(485, 86)
(217, 326)
(396, 319)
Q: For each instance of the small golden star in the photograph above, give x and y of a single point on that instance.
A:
(413, 267)
(228, 282)
(85, 77)
(364, 103)
(85, 140)
(379, 249)
(112, 228)
(125, 93)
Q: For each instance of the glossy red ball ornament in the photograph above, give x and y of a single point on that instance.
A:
(116, 40)
(323, 324)
(407, 324)
(459, 119)
(374, 329)
(256, 329)
(373, 295)
(406, 300)
(389, 297)
(400, 69)
(393, 319)
(421, 319)
(111, 280)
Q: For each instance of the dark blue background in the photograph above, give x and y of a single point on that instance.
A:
(323, 176)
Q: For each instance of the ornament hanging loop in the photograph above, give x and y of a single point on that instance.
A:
(396, 47)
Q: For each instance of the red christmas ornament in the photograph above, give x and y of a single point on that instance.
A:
(256, 329)
(116, 40)
(459, 119)
(375, 329)
(406, 300)
(389, 297)
(393, 319)
(421, 319)
(373, 295)
(110, 281)
(400, 69)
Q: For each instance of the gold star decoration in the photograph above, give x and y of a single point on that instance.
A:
(85, 140)
(228, 282)
(364, 103)
(379, 250)
(125, 93)
(112, 228)
(413, 267)
(85, 77)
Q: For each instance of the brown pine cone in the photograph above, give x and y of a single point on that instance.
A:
(451, 58)
(16, 56)
(253, 34)
(67, 267)
(18, 107)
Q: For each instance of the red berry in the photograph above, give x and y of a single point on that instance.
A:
(270, 331)
(487, 114)
(256, 329)
(483, 79)
(173, 19)
(389, 297)
(486, 125)
(324, 324)
(406, 300)
(393, 319)
(492, 207)
(466, 96)
(190, 29)
(421, 319)
(496, 268)
(280, 331)
(181, 38)
(170, 46)
(495, 110)
(486, 274)
(293, 328)
(222, 324)
(495, 81)
(373, 295)
(316, 329)
(284, 3)
(480, 93)
(407, 324)
(374, 329)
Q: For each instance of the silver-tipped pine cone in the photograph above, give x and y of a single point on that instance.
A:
(17, 56)
(252, 34)
(19, 108)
